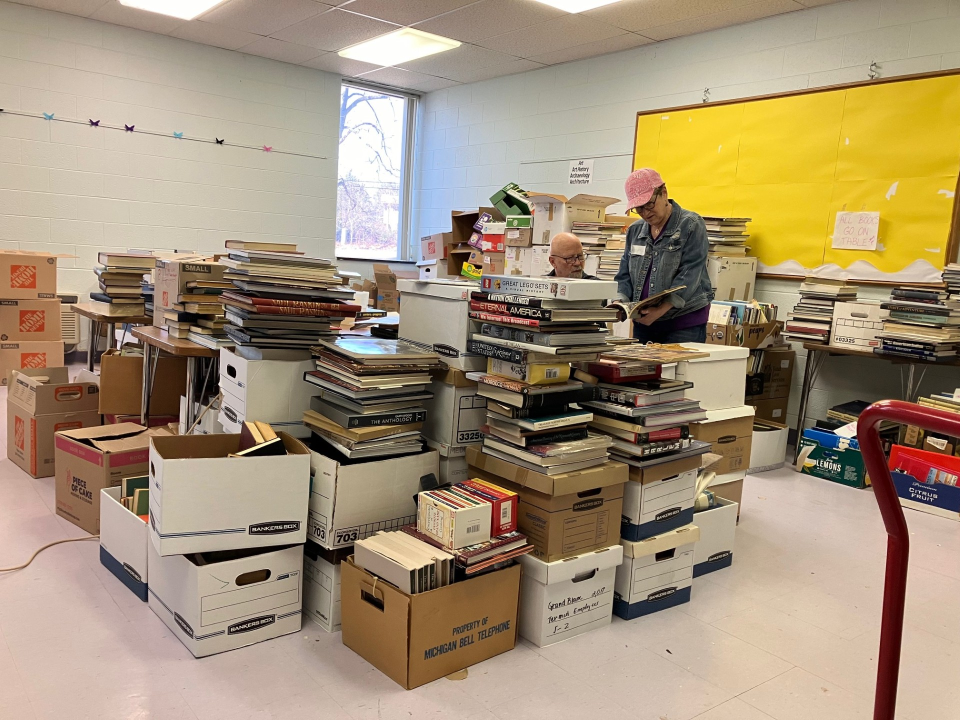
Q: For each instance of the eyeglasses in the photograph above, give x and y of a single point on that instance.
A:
(653, 201)
(570, 258)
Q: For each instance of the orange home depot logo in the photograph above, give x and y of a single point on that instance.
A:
(23, 276)
(33, 321)
(19, 432)
(33, 360)
(166, 299)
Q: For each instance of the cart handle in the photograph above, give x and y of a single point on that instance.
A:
(898, 539)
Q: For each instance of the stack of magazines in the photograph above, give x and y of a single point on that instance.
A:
(812, 317)
(923, 324)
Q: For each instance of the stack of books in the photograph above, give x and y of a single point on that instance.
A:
(119, 276)
(951, 278)
(611, 255)
(407, 562)
(198, 314)
(282, 299)
(727, 235)
(738, 312)
(594, 237)
(812, 317)
(372, 391)
(924, 323)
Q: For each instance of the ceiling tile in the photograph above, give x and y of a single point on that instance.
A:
(478, 74)
(464, 57)
(593, 49)
(331, 62)
(406, 12)
(634, 15)
(395, 77)
(745, 14)
(73, 7)
(279, 50)
(552, 35)
(432, 84)
(216, 35)
(114, 12)
(334, 30)
(490, 17)
(263, 17)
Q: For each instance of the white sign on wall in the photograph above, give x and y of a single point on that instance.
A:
(856, 231)
(581, 172)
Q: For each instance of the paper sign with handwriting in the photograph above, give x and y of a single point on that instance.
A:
(856, 230)
(581, 172)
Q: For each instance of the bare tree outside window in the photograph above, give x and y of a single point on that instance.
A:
(370, 183)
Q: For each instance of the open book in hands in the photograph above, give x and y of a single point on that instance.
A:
(633, 310)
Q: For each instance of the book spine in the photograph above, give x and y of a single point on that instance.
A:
(401, 418)
(496, 352)
(504, 384)
(274, 310)
(536, 374)
(271, 302)
(505, 298)
(486, 317)
(521, 311)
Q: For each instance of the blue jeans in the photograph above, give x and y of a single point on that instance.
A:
(655, 334)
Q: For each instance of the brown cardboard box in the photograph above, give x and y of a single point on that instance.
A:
(121, 385)
(30, 355)
(37, 408)
(732, 491)
(748, 335)
(494, 263)
(434, 247)
(387, 296)
(731, 433)
(171, 278)
(27, 275)
(774, 377)
(91, 459)
(415, 639)
(26, 320)
(775, 409)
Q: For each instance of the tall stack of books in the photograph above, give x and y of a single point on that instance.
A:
(951, 278)
(119, 276)
(812, 317)
(610, 257)
(923, 324)
(594, 237)
(530, 331)
(727, 235)
(200, 314)
(372, 391)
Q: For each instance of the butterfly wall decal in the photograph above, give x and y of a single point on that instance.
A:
(94, 123)
(219, 141)
(48, 116)
(268, 148)
(177, 134)
(128, 128)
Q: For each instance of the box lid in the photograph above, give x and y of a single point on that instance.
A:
(451, 376)
(717, 352)
(447, 289)
(546, 197)
(734, 413)
(610, 473)
(579, 565)
(656, 473)
(659, 543)
(112, 438)
(599, 201)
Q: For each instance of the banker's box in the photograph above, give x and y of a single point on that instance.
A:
(656, 573)
(659, 498)
(29, 355)
(455, 413)
(266, 390)
(718, 530)
(37, 409)
(732, 278)
(415, 639)
(453, 462)
(857, 325)
(121, 384)
(561, 515)
(27, 275)
(566, 598)
(219, 601)
(321, 584)
(435, 314)
(350, 501)
(90, 459)
(718, 380)
(123, 543)
(731, 433)
(171, 278)
(203, 501)
(22, 320)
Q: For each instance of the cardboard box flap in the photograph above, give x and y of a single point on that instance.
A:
(53, 375)
(734, 413)
(576, 568)
(600, 201)
(104, 433)
(534, 196)
(717, 352)
(661, 543)
(610, 473)
(452, 376)
(447, 289)
(181, 447)
(659, 472)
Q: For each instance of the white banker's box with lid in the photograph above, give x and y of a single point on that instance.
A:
(435, 314)
(271, 391)
(656, 573)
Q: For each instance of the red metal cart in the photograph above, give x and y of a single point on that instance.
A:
(898, 540)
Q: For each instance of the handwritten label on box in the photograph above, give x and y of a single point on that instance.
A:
(856, 231)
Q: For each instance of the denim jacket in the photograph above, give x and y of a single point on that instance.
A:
(679, 257)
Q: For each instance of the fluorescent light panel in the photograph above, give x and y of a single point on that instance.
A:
(398, 47)
(577, 6)
(183, 9)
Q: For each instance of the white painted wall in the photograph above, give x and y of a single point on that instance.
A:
(75, 190)
(525, 128)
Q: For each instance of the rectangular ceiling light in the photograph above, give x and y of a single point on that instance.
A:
(398, 47)
(183, 9)
(577, 6)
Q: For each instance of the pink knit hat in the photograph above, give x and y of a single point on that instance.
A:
(640, 187)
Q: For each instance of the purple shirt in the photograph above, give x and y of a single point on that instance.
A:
(680, 322)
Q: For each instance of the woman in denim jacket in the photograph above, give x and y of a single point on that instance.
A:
(666, 248)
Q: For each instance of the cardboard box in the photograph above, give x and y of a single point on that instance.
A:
(456, 413)
(36, 410)
(170, 278)
(919, 494)
(494, 263)
(492, 244)
(351, 502)
(511, 200)
(561, 515)
(554, 214)
(774, 410)
(236, 598)
(519, 231)
(415, 639)
(563, 599)
(768, 448)
(321, 584)
(718, 531)
(718, 380)
(774, 377)
(90, 459)
(857, 325)
(656, 573)
(659, 498)
(452, 462)
(27, 275)
(432, 246)
(265, 390)
(457, 255)
(732, 278)
(121, 384)
(435, 314)
(825, 455)
(123, 543)
(748, 335)
(29, 355)
(464, 223)
(731, 433)
(729, 486)
(25, 320)
(202, 501)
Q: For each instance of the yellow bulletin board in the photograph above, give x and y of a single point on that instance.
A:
(791, 162)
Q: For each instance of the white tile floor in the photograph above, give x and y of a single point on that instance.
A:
(790, 632)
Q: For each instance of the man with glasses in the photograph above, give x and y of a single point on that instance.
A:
(666, 248)
(566, 257)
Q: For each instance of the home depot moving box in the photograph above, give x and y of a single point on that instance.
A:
(27, 275)
(25, 320)
(41, 403)
(29, 355)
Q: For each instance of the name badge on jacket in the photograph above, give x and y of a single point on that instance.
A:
(638, 249)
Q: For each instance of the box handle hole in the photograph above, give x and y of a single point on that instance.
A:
(370, 595)
(231, 371)
(254, 576)
(665, 555)
(588, 493)
(586, 575)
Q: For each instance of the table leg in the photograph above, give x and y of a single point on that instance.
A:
(112, 335)
(92, 351)
(191, 391)
(147, 380)
(810, 372)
